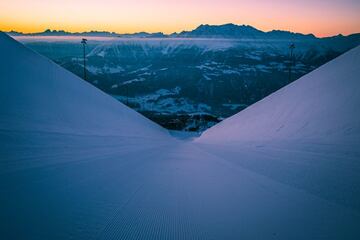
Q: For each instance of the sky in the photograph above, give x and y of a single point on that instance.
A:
(321, 17)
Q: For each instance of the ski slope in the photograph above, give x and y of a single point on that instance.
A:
(76, 164)
(322, 106)
(38, 95)
(306, 135)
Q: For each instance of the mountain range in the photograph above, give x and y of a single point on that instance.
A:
(229, 30)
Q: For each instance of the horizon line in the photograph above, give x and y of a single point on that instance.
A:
(167, 34)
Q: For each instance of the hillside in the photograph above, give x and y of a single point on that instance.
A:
(305, 135)
(38, 95)
(321, 106)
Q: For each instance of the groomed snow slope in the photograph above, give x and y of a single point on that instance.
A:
(104, 172)
(306, 135)
(322, 106)
(38, 95)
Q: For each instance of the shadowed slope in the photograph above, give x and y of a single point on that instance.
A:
(306, 135)
(38, 95)
(322, 106)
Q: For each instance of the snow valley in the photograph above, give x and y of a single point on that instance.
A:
(78, 164)
(190, 80)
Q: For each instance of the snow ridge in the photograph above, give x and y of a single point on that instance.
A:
(322, 106)
(45, 97)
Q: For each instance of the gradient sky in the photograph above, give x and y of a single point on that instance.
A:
(323, 18)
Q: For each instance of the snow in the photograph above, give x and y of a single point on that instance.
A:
(165, 101)
(82, 187)
(321, 106)
(77, 164)
(104, 70)
(141, 69)
(184, 135)
(38, 95)
(111, 47)
(133, 81)
(217, 69)
(253, 56)
(234, 106)
(306, 135)
(101, 54)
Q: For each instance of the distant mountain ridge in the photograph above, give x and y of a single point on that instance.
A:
(239, 31)
(49, 32)
(229, 30)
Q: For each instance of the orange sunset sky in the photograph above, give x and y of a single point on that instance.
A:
(323, 18)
